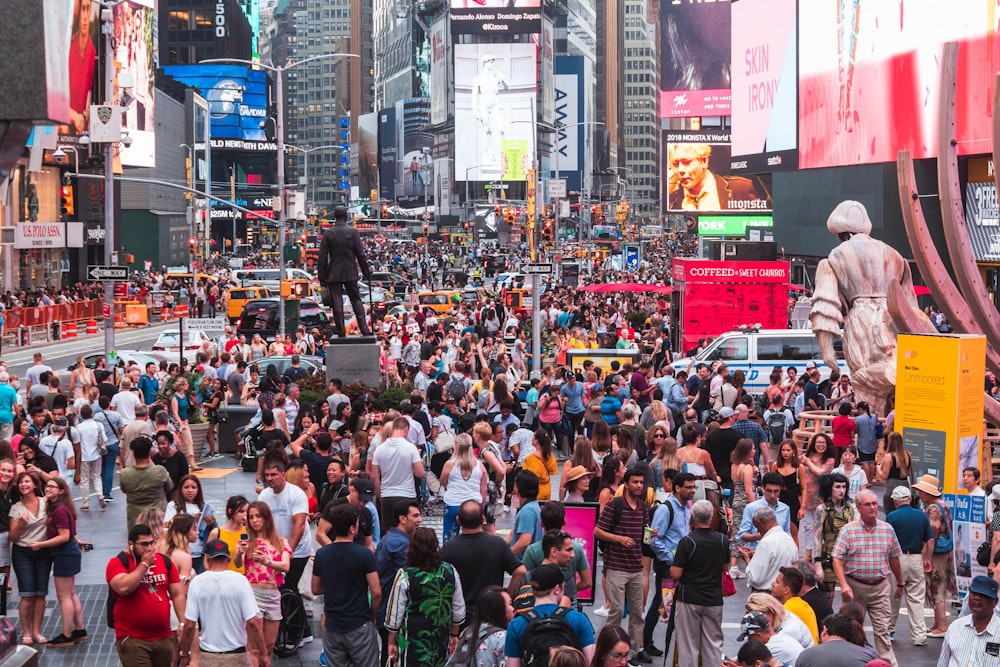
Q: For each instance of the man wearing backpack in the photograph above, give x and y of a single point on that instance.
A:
(547, 625)
(621, 525)
(779, 422)
(143, 584)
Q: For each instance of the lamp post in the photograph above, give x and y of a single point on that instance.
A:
(279, 132)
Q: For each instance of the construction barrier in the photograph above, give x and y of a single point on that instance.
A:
(91, 326)
(68, 330)
(136, 314)
(44, 316)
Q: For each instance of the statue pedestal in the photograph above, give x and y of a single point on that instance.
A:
(354, 359)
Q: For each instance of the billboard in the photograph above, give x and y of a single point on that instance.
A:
(82, 65)
(495, 96)
(869, 81)
(698, 176)
(495, 17)
(440, 73)
(694, 58)
(387, 153)
(414, 172)
(236, 94)
(765, 86)
(546, 73)
(570, 109)
(368, 160)
(136, 54)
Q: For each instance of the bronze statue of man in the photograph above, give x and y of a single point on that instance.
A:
(340, 254)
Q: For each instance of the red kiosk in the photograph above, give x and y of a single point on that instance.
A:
(711, 297)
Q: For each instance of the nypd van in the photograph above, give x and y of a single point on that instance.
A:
(757, 351)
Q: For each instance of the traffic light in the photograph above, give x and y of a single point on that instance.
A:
(302, 240)
(192, 244)
(427, 229)
(294, 289)
(547, 231)
(67, 208)
(508, 215)
(385, 210)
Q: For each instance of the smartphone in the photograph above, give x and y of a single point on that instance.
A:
(86, 547)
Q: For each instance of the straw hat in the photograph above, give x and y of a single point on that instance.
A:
(929, 484)
(576, 472)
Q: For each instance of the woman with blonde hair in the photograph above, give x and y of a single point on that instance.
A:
(266, 557)
(463, 478)
(658, 440)
(298, 475)
(278, 409)
(156, 519)
(781, 621)
(176, 546)
(81, 379)
(657, 412)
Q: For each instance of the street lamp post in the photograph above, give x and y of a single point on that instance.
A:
(279, 131)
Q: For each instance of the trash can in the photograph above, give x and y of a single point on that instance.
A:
(236, 417)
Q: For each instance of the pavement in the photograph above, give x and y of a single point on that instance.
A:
(106, 528)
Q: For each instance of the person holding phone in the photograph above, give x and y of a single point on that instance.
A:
(234, 531)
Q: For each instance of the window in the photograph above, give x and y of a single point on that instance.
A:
(730, 349)
(787, 348)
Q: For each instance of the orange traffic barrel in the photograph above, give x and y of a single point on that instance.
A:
(68, 330)
(91, 326)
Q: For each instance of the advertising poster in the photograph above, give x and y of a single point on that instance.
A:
(82, 65)
(694, 58)
(440, 72)
(442, 186)
(495, 17)
(387, 153)
(237, 100)
(495, 97)
(982, 214)
(869, 81)
(136, 53)
(580, 521)
(765, 86)
(968, 516)
(546, 72)
(368, 152)
(489, 225)
(570, 110)
(414, 167)
(731, 225)
(631, 255)
(698, 177)
(939, 403)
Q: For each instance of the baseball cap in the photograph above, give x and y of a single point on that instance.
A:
(364, 488)
(901, 493)
(217, 548)
(810, 364)
(753, 622)
(546, 577)
(984, 586)
(60, 421)
(726, 412)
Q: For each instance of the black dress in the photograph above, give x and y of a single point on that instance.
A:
(791, 495)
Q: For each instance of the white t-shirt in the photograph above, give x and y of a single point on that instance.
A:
(124, 403)
(223, 602)
(61, 450)
(284, 506)
(395, 458)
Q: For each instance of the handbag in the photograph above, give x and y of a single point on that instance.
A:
(728, 585)
(983, 553)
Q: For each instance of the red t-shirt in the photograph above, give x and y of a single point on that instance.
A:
(145, 614)
(843, 431)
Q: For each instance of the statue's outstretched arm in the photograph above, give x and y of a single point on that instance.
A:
(826, 315)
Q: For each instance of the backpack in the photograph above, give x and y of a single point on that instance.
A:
(465, 652)
(543, 634)
(776, 426)
(455, 387)
(113, 597)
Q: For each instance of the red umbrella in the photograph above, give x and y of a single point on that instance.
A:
(626, 287)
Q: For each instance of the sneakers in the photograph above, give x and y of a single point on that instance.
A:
(305, 640)
(60, 641)
(322, 658)
(79, 635)
(736, 573)
(602, 612)
(649, 649)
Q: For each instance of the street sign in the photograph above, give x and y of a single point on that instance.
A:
(107, 272)
(106, 311)
(544, 269)
(208, 323)
(557, 188)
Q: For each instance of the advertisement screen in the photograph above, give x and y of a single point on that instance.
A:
(699, 179)
(869, 81)
(387, 153)
(694, 58)
(136, 52)
(495, 96)
(439, 72)
(82, 65)
(236, 94)
(495, 17)
(367, 153)
(570, 112)
(765, 86)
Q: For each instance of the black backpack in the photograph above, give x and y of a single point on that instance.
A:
(113, 597)
(776, 426)
(543, 634)
(456, 387)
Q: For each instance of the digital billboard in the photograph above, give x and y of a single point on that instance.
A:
(439, 72)
(495, 96)
(694, 58)
(136, 53)
(237, 98)
(368, 162)
(546, 72)
(765, 86)
(82, 65)
(387, 153)
(870, 78)
(698, 176)
(495, 17)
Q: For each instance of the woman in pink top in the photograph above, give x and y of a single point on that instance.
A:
(265, 558)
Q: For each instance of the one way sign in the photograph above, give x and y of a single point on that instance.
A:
(107, 272)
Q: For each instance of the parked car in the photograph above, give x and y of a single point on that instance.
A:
(239, 297)
(261, 317)
(312, 363)
(170, 341)
(390, 281)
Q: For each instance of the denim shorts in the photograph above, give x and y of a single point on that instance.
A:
(32, 571)
(67, 560)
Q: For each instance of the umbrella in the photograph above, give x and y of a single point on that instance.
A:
(626, 287)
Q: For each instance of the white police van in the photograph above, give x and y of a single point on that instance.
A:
(757, 351)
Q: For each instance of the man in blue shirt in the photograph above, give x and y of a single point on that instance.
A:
(670, 527)
(916, 539)
(149, 385)
(810, 394)
(547, 586)
(773, 484)
(391, 558)
(528, 522)
(573, 406)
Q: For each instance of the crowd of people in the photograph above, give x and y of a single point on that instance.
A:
(697, 484)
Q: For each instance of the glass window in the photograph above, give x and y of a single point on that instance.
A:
(731, 349)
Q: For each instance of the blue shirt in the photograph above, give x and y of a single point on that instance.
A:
(582, 628)
(376, 527)
(912, 527)
(390, 555)
(664, 545)
(149, 388)
(610, 406)
(574, 397)
(528, 520)
(8, 398)
(781, 512)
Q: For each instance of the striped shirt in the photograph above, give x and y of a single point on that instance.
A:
(964, 646)
(630, 524)
(865, 552)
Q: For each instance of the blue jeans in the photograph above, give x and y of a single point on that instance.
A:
(108, 462)
(450, 522)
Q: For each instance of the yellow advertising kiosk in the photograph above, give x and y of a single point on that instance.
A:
(939, 403)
